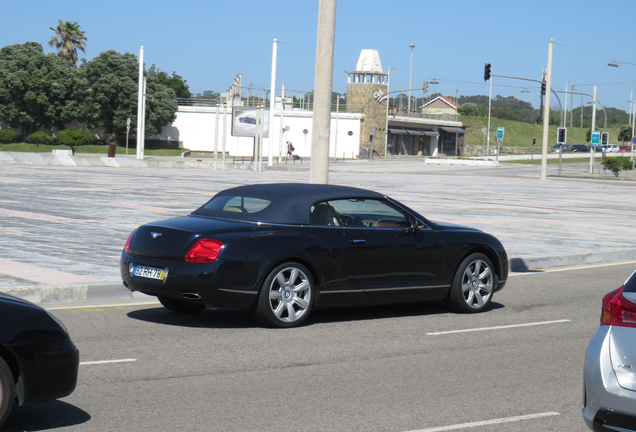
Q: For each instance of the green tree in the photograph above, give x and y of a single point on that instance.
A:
(37, 90)
(472, 109)
(40, 138)
(7, 136)
(175, 82)
(68, 38)
(616, 164)
(625, 134)
(74, 138)
(112, 98)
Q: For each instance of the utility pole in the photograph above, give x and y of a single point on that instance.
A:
(272, 103)
(410, 76)
(140, 92)
(546, 113)
(593, 128)
(323, 85)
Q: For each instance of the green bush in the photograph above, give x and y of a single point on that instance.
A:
(40, 138)
(74, 138)
(7, 136)
(616, 164)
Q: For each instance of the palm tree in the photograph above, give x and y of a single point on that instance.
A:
(68, 38)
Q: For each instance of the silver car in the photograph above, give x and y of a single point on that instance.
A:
(609, 379)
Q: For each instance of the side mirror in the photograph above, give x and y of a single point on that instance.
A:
(415, 226)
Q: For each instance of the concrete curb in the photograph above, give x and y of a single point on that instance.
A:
(533, 263)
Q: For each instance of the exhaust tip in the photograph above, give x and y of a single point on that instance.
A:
(191, 296)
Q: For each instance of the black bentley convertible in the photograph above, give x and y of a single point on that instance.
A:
(283, 249)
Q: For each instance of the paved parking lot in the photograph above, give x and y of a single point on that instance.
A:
(65, 226)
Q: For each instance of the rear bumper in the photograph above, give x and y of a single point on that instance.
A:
(220, 283)
(606, 404)
(608, 420)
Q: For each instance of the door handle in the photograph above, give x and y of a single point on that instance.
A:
(357, 241)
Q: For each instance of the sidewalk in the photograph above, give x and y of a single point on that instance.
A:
(62, 228)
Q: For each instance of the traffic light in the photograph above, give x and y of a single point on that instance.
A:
(487, 72)
(604, 138)
(543, 88)
(561, 135)
(534, 141)
(425, 86)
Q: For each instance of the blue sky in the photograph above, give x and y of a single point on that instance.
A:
(209, 42)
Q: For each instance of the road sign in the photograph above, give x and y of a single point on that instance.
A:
(500, 133)
(484, 130)
(596, 137)
(286, 128)
(634, 140)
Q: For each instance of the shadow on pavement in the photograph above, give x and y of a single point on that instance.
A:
(220, 318)
(44, 416)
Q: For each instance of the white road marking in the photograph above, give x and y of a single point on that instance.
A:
(98, 305)
(582, 267)
(107, 361)
(488, 422)
(499, 327)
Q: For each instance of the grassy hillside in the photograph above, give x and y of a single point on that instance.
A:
(519, 134)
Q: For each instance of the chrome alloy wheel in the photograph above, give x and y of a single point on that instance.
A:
(477, 283)
(290, 294)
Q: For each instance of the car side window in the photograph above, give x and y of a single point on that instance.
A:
(370, 213)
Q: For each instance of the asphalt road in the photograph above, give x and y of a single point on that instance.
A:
(388, 369)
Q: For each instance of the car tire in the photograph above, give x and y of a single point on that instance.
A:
(286, 297)
(473, 284)
(179, 306)
(7, 391)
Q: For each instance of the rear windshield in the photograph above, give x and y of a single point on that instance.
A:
(237, 204)
(630, 283)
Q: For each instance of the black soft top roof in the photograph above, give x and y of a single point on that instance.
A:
(290, 202)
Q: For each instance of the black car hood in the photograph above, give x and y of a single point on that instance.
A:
(172, 238)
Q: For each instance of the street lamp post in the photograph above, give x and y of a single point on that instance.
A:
(335, 139)
(632, 108)
(565, 111)
(386, 125)
(410, 76)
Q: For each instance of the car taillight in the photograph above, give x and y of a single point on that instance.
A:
(204, 251)
(129, 241)
(617, 310)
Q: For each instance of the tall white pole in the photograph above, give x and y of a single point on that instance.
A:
(272, 103)
(488, 132)
(224, 136)
(565, 105)
(139, 101)
(143, 120)
(633, 135)
(631, 98)
(323, 85)
(410, 76)
(546, 113)
(335, 138)
(216, 132)
(593, 128)
(282, 122)
(386, 124)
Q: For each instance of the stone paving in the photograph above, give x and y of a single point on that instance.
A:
(63, 227)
